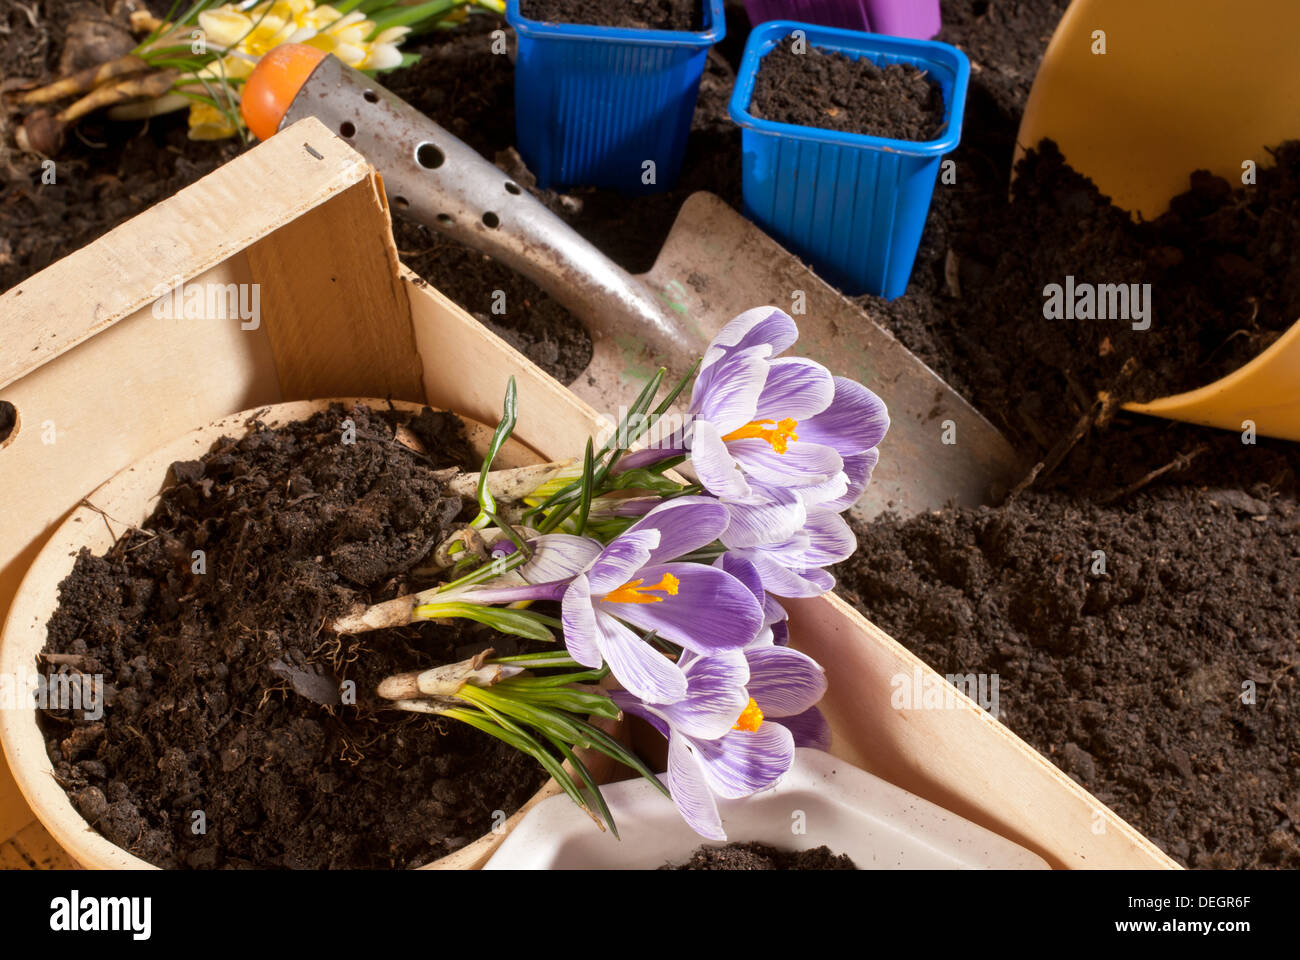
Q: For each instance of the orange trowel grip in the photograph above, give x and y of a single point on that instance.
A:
(271, 88)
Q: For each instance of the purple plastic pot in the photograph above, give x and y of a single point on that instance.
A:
(918, 19)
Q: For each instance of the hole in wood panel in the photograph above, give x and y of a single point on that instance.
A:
(8, 423)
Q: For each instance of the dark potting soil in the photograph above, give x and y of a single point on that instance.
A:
(1216, 278)
(1148, 647)
(223, 687)
(830, 91)
(759, 856)
(635, 14)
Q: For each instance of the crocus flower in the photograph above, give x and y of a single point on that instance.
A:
(758, 423)
(728, 736)
(790, 564)
(632, 582)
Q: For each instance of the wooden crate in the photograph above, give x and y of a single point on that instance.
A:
(99, 380)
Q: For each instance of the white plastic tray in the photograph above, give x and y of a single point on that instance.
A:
(880, 826)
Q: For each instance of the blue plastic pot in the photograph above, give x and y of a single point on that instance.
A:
(594, 104)
(851, 205)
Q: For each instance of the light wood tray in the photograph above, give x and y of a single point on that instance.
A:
(88, 365)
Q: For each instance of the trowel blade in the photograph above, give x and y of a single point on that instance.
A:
(716, 264)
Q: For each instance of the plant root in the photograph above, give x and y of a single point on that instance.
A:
(83, 81)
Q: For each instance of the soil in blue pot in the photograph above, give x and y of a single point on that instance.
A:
(830, 91)
(685, 15)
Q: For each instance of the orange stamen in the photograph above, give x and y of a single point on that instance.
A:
(750, 719)
(777, 435)
(633, 592)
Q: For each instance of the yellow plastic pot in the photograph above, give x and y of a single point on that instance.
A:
(1137, 95)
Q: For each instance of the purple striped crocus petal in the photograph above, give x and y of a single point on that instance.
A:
(796, 387)
(711, 610)
(621, 559)
(858, 468)
(809, 729)
(630, 704)
(726, 394)
(760, 327)
(578, 617)
(690, 790)
(740, 763)
(782, 580)
(773, 521)
(781, 632)
(830, 539)
(827, 491)
(714, 465)
(773, 612)
(784, 682)
(802, 464)
(559, 556)
(744, 571)
(647, 457)
(715, 695)
(855, 420)
(642, 670)
(684, 524)
(511, 594)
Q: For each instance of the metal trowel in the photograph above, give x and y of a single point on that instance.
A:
(714, 265)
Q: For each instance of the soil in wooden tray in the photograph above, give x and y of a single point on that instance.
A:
(634, 14)
(223, 687)
(759, 856)
(830, 91)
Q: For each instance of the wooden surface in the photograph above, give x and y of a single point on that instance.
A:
(331, 277)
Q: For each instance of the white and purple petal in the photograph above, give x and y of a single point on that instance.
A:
(684, 525)
(809, 729)
(711, 610)
(714, 464)
(741, 763)
(578, 617)
(621, 559)
(784, 682)
(559, 556)
(715, 695)
(640, 668)
(689, 788)
(858, 468)
(802, 464)
(726, 393)
(796, 387)
(774, 520)
(854, 421)
(759, 327)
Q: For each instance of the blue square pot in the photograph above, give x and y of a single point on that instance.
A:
(851, 205)
(594, 104)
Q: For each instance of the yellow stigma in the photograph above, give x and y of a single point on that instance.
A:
(750, 719)
(633, 592)
(778, 435)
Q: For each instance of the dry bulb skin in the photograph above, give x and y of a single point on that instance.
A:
(444, 682)
(513, 484)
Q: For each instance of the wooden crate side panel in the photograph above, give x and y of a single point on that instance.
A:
(208, 222)
(342, 324)
(961, 759)
(89, 412)
(466, 368)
